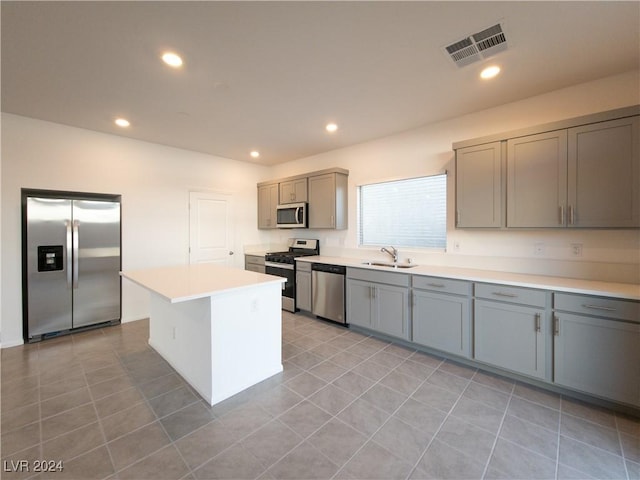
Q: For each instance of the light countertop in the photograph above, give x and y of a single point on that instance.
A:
(188, 282)
(628, 291)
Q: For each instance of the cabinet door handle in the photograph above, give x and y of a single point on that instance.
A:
(561, 214)
(437, 285)
(502, 294)
(537, 322)
(556, 325)
(598, 307)
(457, 217)
(572, 215)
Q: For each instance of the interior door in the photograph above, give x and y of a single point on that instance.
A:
(210, 228)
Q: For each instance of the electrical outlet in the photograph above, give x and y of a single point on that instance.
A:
(576, 249)
(538, 249)
(456, 245)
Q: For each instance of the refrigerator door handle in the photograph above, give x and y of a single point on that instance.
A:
(75, 253)
(67, 224)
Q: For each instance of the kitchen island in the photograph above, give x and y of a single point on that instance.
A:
(218, 327)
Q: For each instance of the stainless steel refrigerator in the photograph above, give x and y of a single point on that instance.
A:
(70, 262)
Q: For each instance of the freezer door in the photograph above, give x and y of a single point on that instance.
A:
(96, 247)
(49, 299)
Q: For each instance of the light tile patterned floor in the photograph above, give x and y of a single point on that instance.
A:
(346, 406)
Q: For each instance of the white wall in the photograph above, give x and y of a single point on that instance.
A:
(154, 182)
(612, 255)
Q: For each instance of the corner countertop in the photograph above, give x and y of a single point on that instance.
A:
(189, 282)
(627, 291)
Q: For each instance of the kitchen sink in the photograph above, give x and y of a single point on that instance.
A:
(390, 265)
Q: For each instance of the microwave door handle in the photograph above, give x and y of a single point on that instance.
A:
(298, 215)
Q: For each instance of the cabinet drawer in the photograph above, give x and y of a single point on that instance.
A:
(254, 267)
(523, 296)
(444, 285)
(258, 259)
(597, 306)
(399, 279)
(303, 266)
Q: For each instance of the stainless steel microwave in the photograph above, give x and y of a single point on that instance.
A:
(292, 215)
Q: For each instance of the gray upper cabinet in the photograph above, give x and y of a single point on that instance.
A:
(328, 201)
(586, 176)
(267, 205)
(293, 191)
(604, 173)
(582, 172)
(324, 190)
(479, 186)
(537, 180)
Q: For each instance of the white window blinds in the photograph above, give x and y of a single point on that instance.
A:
(407, 213)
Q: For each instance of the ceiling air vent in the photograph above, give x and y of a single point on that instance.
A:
(477, 46)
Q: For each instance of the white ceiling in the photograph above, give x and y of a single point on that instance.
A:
(270, 75)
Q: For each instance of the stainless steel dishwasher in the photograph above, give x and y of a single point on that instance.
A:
(327, 291)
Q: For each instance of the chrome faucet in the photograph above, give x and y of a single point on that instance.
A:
(393, 253)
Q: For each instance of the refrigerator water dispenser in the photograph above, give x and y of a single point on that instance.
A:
(50, 258)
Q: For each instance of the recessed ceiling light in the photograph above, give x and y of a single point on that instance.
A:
(172, 59)
(255, 154)
(490, 72)
(331, 127)
(122, 122)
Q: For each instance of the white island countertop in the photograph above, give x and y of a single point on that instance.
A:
(628, 291)
(188, 282)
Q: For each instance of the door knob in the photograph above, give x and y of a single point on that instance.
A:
(230, 252)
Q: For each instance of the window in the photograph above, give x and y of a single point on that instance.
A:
(405, 213)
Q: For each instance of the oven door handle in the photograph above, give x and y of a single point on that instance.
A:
(284, 266)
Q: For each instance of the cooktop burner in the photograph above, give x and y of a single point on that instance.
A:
(298, 247)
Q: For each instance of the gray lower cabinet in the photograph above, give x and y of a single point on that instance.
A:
(254, 263)
(303, 286)
(379, 301)
(597, 346)
(441, 314)
(510, 328)
(580, 342)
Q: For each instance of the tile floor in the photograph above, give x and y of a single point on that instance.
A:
(346, 406)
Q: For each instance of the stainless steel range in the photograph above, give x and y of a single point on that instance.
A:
(283, 264)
